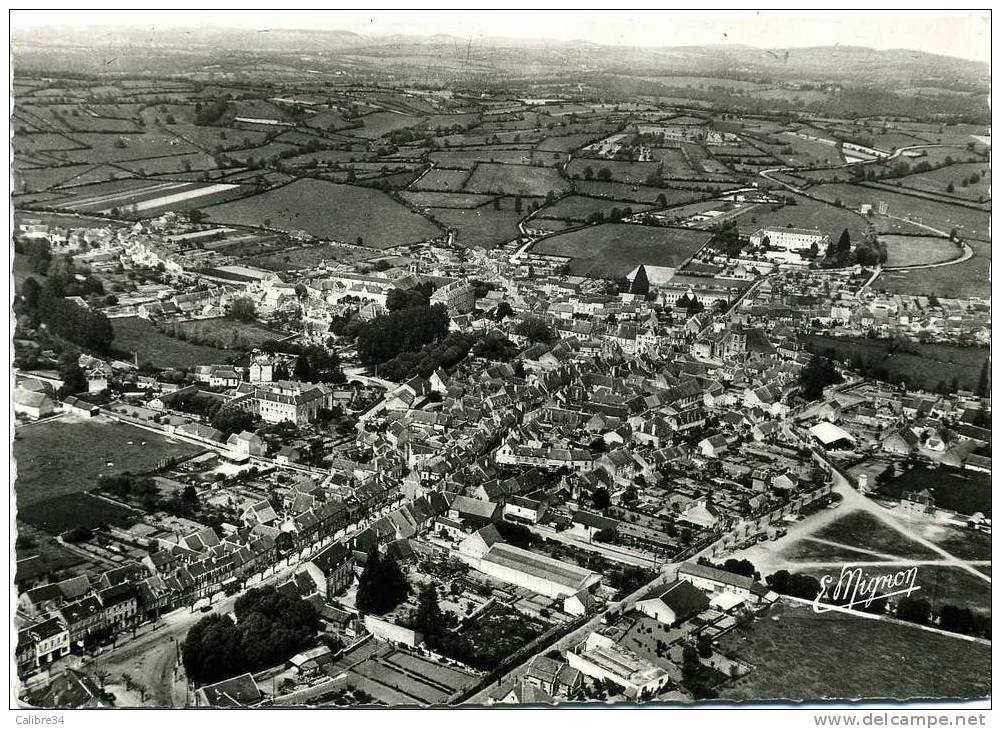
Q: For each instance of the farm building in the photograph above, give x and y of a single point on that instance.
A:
(536, 572)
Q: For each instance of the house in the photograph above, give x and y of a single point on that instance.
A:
(519, 692)
(586, 524)
(474, 513)
(556, 678)
(786, 482)
(246, 444)
(714, 446)
(917, 502)
(521, 509)
(31, 404)
(332, 569)
(902, 442)
(120, 603)
(82, 618)
(712, 580)
(51, 640)
(260, 512)
(673, 603)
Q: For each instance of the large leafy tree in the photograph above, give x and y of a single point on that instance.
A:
(382, 585)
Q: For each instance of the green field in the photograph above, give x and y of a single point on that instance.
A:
(937, 181)
(459, 200)
(577, 208)
(226, 333)
(329, 211)
(630, 172)
(484, 227)
(65, 456)
(928, 366)
(799, 655)
(515, 180)
(293, 259)
(910, 250)
(612, 250)
(137, 335)
(966, 492)
(971, 223)
(959, 280)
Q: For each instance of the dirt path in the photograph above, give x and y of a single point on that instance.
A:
(769, 553)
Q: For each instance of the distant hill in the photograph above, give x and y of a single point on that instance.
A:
(847, 64)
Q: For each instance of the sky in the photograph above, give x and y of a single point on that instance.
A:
(965, 34)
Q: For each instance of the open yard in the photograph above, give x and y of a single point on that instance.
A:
(866, 532)
(612, 250)
(135, 335)
(799, 655)
(66, 455)
(330, 211)
(915, 250)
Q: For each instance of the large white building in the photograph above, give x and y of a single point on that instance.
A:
(459, 297)
(792, 239)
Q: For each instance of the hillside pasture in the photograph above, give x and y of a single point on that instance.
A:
(329, 211)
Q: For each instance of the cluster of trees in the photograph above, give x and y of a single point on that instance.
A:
(316, 364)
(405, 330)
(794, 584)
(210, 113)
(604, 174)
(243, 309)
(726, 238)
(517, 534)
(271, 627)
(137, 489)
(953, 618)
(88, 328)
(868, 252)
(818, 374)
(495, 347)
(382, 585)
(697, 677)
(143, 491)
(406, 298)
(447, 353)
(535, 330)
